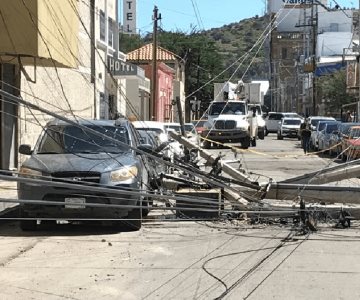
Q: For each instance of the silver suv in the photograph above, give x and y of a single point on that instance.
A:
(289, 127)
(274, 118)
(70, 154)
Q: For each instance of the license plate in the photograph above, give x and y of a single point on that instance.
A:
(74, 202)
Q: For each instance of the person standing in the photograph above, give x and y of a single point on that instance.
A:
(305, 133)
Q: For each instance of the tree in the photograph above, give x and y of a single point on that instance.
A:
(333, 91)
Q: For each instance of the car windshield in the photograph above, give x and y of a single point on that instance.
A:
(321, 126)
(149, 137)
(292, 115)
(189, 128)
(156, 130)
(292, 122)
(331, 128)
(355, 133)
(227, 108)
(62, 139)
(173, 127)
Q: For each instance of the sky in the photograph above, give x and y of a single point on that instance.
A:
(180, 14)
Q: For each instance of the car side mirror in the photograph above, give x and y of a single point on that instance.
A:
(25, 149)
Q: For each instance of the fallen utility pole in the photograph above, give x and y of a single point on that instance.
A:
(237, 175)
(314, 193)
(332, 174)
(212, 159)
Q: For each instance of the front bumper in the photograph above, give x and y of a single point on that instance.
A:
(223, 135)
(290, 132)
(30, 192)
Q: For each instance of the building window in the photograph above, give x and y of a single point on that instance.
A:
(110, 32)
(284, 53)
(102, 106)
(102, 25)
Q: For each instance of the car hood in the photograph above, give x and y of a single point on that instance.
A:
(291, 126)
(99, 162)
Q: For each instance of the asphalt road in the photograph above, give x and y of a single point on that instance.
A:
(178, 259)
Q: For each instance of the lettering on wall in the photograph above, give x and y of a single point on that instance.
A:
(129, 16)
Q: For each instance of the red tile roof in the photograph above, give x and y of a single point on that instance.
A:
(145, 54)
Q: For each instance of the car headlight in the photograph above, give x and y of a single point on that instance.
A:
(125, 173)
(30, 172)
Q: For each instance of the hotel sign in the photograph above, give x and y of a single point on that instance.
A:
(122, 68)
(129, 16)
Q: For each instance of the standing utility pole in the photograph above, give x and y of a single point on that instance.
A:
(156, 18)
(314, 20)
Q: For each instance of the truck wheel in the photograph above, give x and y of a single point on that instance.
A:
(206, 145)
(245, 142)
(261, 134)
(253, 142)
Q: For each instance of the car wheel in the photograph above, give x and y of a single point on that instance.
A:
(261, 135)
(135, 220)
(28, 225)
(206, 145)
(145, 207)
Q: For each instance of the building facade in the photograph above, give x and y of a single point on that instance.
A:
(58, 55)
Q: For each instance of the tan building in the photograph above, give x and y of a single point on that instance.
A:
(56, 54)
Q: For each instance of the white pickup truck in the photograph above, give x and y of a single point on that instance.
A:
(230, 121)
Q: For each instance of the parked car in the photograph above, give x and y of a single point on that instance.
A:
(159, 129)
(191, 134)
(351, 144)
(337, 136)
(71, 154)
(325, 136)
(314, 120)
(273, 119)
(155, 168)
(320, 125)
(199, 125)
(288, 127)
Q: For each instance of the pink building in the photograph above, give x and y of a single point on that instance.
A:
(170, 71)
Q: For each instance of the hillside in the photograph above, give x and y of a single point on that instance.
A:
(235, 40)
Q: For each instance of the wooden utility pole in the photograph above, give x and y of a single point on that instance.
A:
(156, 18)
(314, 20)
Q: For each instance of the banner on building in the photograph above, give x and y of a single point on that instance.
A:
(275, 5)
(129, 16)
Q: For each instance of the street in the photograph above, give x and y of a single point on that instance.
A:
(179, 259)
